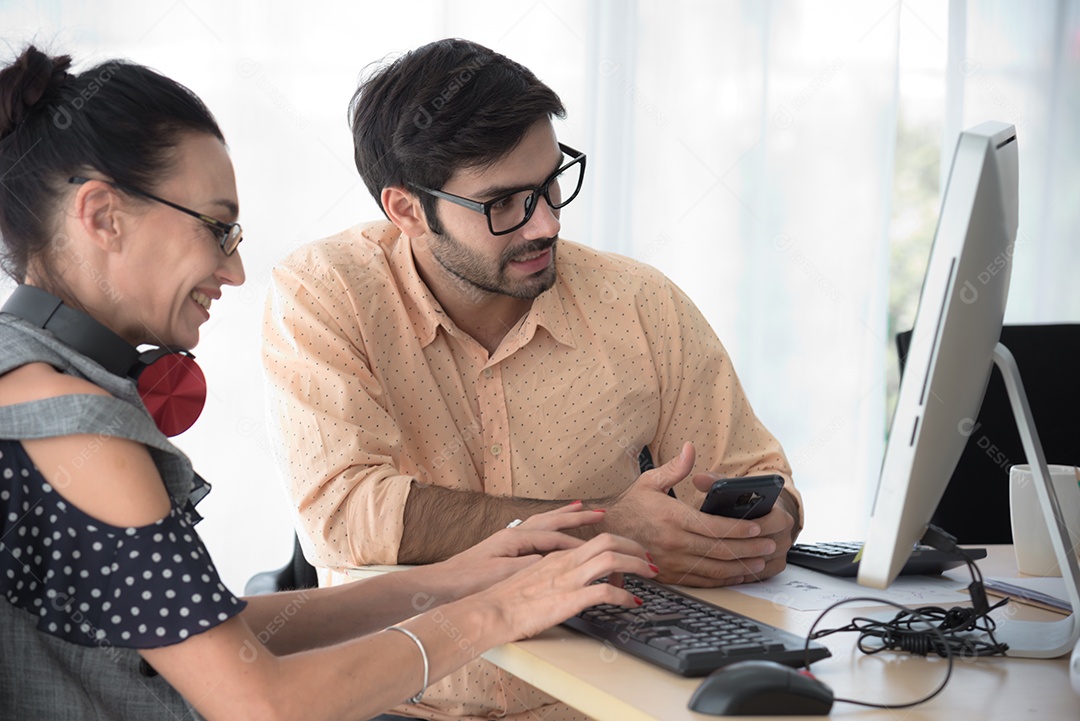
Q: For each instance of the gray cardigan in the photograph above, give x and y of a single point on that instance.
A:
(41, 676)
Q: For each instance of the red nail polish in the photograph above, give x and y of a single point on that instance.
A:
(599, 510)
(638, 601)
(649, 556)
(576, 503)
(654, 568)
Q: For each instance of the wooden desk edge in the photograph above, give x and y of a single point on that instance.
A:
(556, 682)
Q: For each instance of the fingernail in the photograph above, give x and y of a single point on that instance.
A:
(754, 531)
(599, 510)
(654, 568)
(638, 601)
(649, 556)
(576, 503)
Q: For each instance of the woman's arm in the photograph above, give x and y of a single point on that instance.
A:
(299, 620)
(227, 673)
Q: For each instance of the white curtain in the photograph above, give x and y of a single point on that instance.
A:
(748, 149)
(759, 181)
(1021, 64)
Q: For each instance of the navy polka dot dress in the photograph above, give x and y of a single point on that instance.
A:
(91, 583)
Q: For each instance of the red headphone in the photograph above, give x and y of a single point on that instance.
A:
(170, 383)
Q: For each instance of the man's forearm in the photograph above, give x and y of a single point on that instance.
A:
(440, 522)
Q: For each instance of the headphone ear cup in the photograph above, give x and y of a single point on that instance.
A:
(173, 389)
(171, 385)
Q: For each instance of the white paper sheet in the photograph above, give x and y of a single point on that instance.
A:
(806, 590)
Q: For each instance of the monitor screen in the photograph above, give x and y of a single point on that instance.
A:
(961, 309)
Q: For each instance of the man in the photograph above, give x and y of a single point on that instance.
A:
(438, 375)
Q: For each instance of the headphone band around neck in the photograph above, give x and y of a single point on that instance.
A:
(75, 328)
(169, 381)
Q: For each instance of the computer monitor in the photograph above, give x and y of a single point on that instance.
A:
(954, 344)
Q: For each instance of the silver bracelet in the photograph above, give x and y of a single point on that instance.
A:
(423, 654)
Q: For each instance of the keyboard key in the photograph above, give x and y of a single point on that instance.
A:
(664, 619)
(742, 649)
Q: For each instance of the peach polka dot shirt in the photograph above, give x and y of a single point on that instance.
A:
(372, 386)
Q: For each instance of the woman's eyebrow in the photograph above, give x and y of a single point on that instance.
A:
(229, 205)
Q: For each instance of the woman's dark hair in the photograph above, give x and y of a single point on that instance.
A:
(444, 107)
(118, 118)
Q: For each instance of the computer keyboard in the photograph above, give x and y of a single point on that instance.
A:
(838, 558)
(687, 635)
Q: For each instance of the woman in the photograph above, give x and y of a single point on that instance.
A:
(118, 199)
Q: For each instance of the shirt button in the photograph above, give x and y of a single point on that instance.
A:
(496, 449)
(488, 373)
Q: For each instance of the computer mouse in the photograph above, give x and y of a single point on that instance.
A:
(761, 688)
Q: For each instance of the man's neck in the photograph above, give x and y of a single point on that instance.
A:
(484, 315)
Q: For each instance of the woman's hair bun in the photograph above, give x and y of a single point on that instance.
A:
(119, 119)
(25, 82)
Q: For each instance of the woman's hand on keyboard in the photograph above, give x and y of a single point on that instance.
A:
(561, 584)
(511, 549)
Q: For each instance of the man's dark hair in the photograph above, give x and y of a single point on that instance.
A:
(444, 107)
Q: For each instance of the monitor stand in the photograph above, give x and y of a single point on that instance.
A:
(1040, 639)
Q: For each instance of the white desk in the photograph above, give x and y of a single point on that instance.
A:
(613, 686)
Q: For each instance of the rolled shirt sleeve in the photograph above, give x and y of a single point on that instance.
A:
(340, 449)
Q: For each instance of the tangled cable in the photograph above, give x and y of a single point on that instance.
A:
(957, 631)
(927, 630)
(908, 631)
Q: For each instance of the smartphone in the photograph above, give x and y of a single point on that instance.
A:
(750, 497)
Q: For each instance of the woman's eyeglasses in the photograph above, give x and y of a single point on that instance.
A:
(229, 235)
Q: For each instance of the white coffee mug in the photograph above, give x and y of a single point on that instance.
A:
(1034, 553)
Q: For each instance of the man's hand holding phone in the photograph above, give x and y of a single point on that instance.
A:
(760, 499)
(693, 548)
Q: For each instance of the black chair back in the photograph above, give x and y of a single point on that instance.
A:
(975, 507)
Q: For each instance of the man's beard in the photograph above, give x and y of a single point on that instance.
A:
(476, 277)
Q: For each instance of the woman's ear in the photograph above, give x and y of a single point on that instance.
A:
(404, 210)
(97, 213)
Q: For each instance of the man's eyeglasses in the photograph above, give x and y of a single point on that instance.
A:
(509, 212)
(229, 235)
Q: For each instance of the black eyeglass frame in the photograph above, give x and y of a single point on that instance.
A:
(229, 234)
(485, 207)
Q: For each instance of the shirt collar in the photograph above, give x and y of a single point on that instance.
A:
(547, 312)
(424, 310)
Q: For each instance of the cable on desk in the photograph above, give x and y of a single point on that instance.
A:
(926, 630)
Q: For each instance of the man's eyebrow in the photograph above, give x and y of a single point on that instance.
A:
(498, 191)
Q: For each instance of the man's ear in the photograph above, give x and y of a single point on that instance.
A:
(405, 211)
(97, 213)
